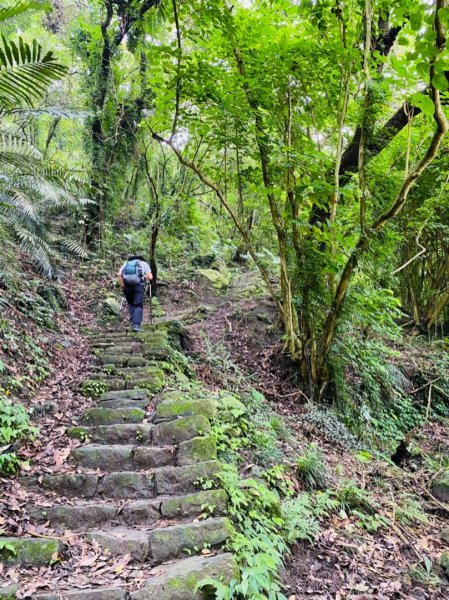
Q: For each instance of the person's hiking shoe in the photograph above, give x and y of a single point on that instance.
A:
(136, 327)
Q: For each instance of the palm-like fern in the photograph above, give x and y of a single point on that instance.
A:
(26, 70)
(32, 191)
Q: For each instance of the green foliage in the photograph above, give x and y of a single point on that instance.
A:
(352, 497)
(26, 364)
(7, 548)
(409, 511)
(93, 388)
(311, 468)
(14, 426)
(423, 574)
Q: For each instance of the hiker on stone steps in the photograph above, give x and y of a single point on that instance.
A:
(132, 278)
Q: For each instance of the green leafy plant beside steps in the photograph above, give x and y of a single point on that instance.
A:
(14, 426)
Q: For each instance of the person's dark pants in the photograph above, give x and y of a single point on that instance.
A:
(135, 296)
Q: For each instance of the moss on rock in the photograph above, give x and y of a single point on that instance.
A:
(28, 551)
(196, 450)
(175, 405)
(112, 416)
(440, 487)
(180, 430)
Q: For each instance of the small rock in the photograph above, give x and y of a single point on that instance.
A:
(112, 306)
(440, 487)
(444, 562)
(444, 535)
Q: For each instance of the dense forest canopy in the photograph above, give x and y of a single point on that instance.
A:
(283, 167)
(305, 137)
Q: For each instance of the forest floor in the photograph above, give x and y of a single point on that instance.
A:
(240, 338)
(233, 337)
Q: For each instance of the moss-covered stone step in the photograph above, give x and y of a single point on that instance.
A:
(86, 515)
(176, 404)
(211, 502)
(130, 373)
(137, 394)
(70, 485)
(173, 542)
(180, 480)
(115, 338)
(113, 416)
(166, 543)
(155, 349)
(29, 551)
(124, 403)
(175, 581)
(152, 380)
(195, 450)
(112, 457)
(179, 580)
(163, 434)
(121, 433)
(123, 360)
(123, 457)
(166, 481)
(181, 429)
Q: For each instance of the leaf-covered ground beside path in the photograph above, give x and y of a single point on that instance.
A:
(232, 339)
(238, 340)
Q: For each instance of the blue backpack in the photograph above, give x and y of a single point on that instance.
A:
(132, 273)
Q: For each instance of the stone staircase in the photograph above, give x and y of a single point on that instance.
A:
(133, 486)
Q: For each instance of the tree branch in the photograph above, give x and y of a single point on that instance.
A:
(210, 184)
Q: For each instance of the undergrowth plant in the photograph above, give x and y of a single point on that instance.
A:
(311, 468)
(266, 521)
(14, 425)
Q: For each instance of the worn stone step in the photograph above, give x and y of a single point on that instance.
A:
(176, 404)
(130, 337)
(175, 581)
(178, 580)
(113, 416)
(169, 481)
(198, 449)
(29, 551)
(121, 541)
(181, 429)
(126, 457)
(85, 515)
(145, 350)
(166, 543)
(124, 403)
(137, 394)
(153, 381)
(126, 360)
(179, 480)
(166, 433)
(121, 433)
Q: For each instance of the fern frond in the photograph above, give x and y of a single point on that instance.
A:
(73, 247)
(22, 6)
(18, 200)
(36, 248)
(18, 153)
(25, 72)
(54, 111)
